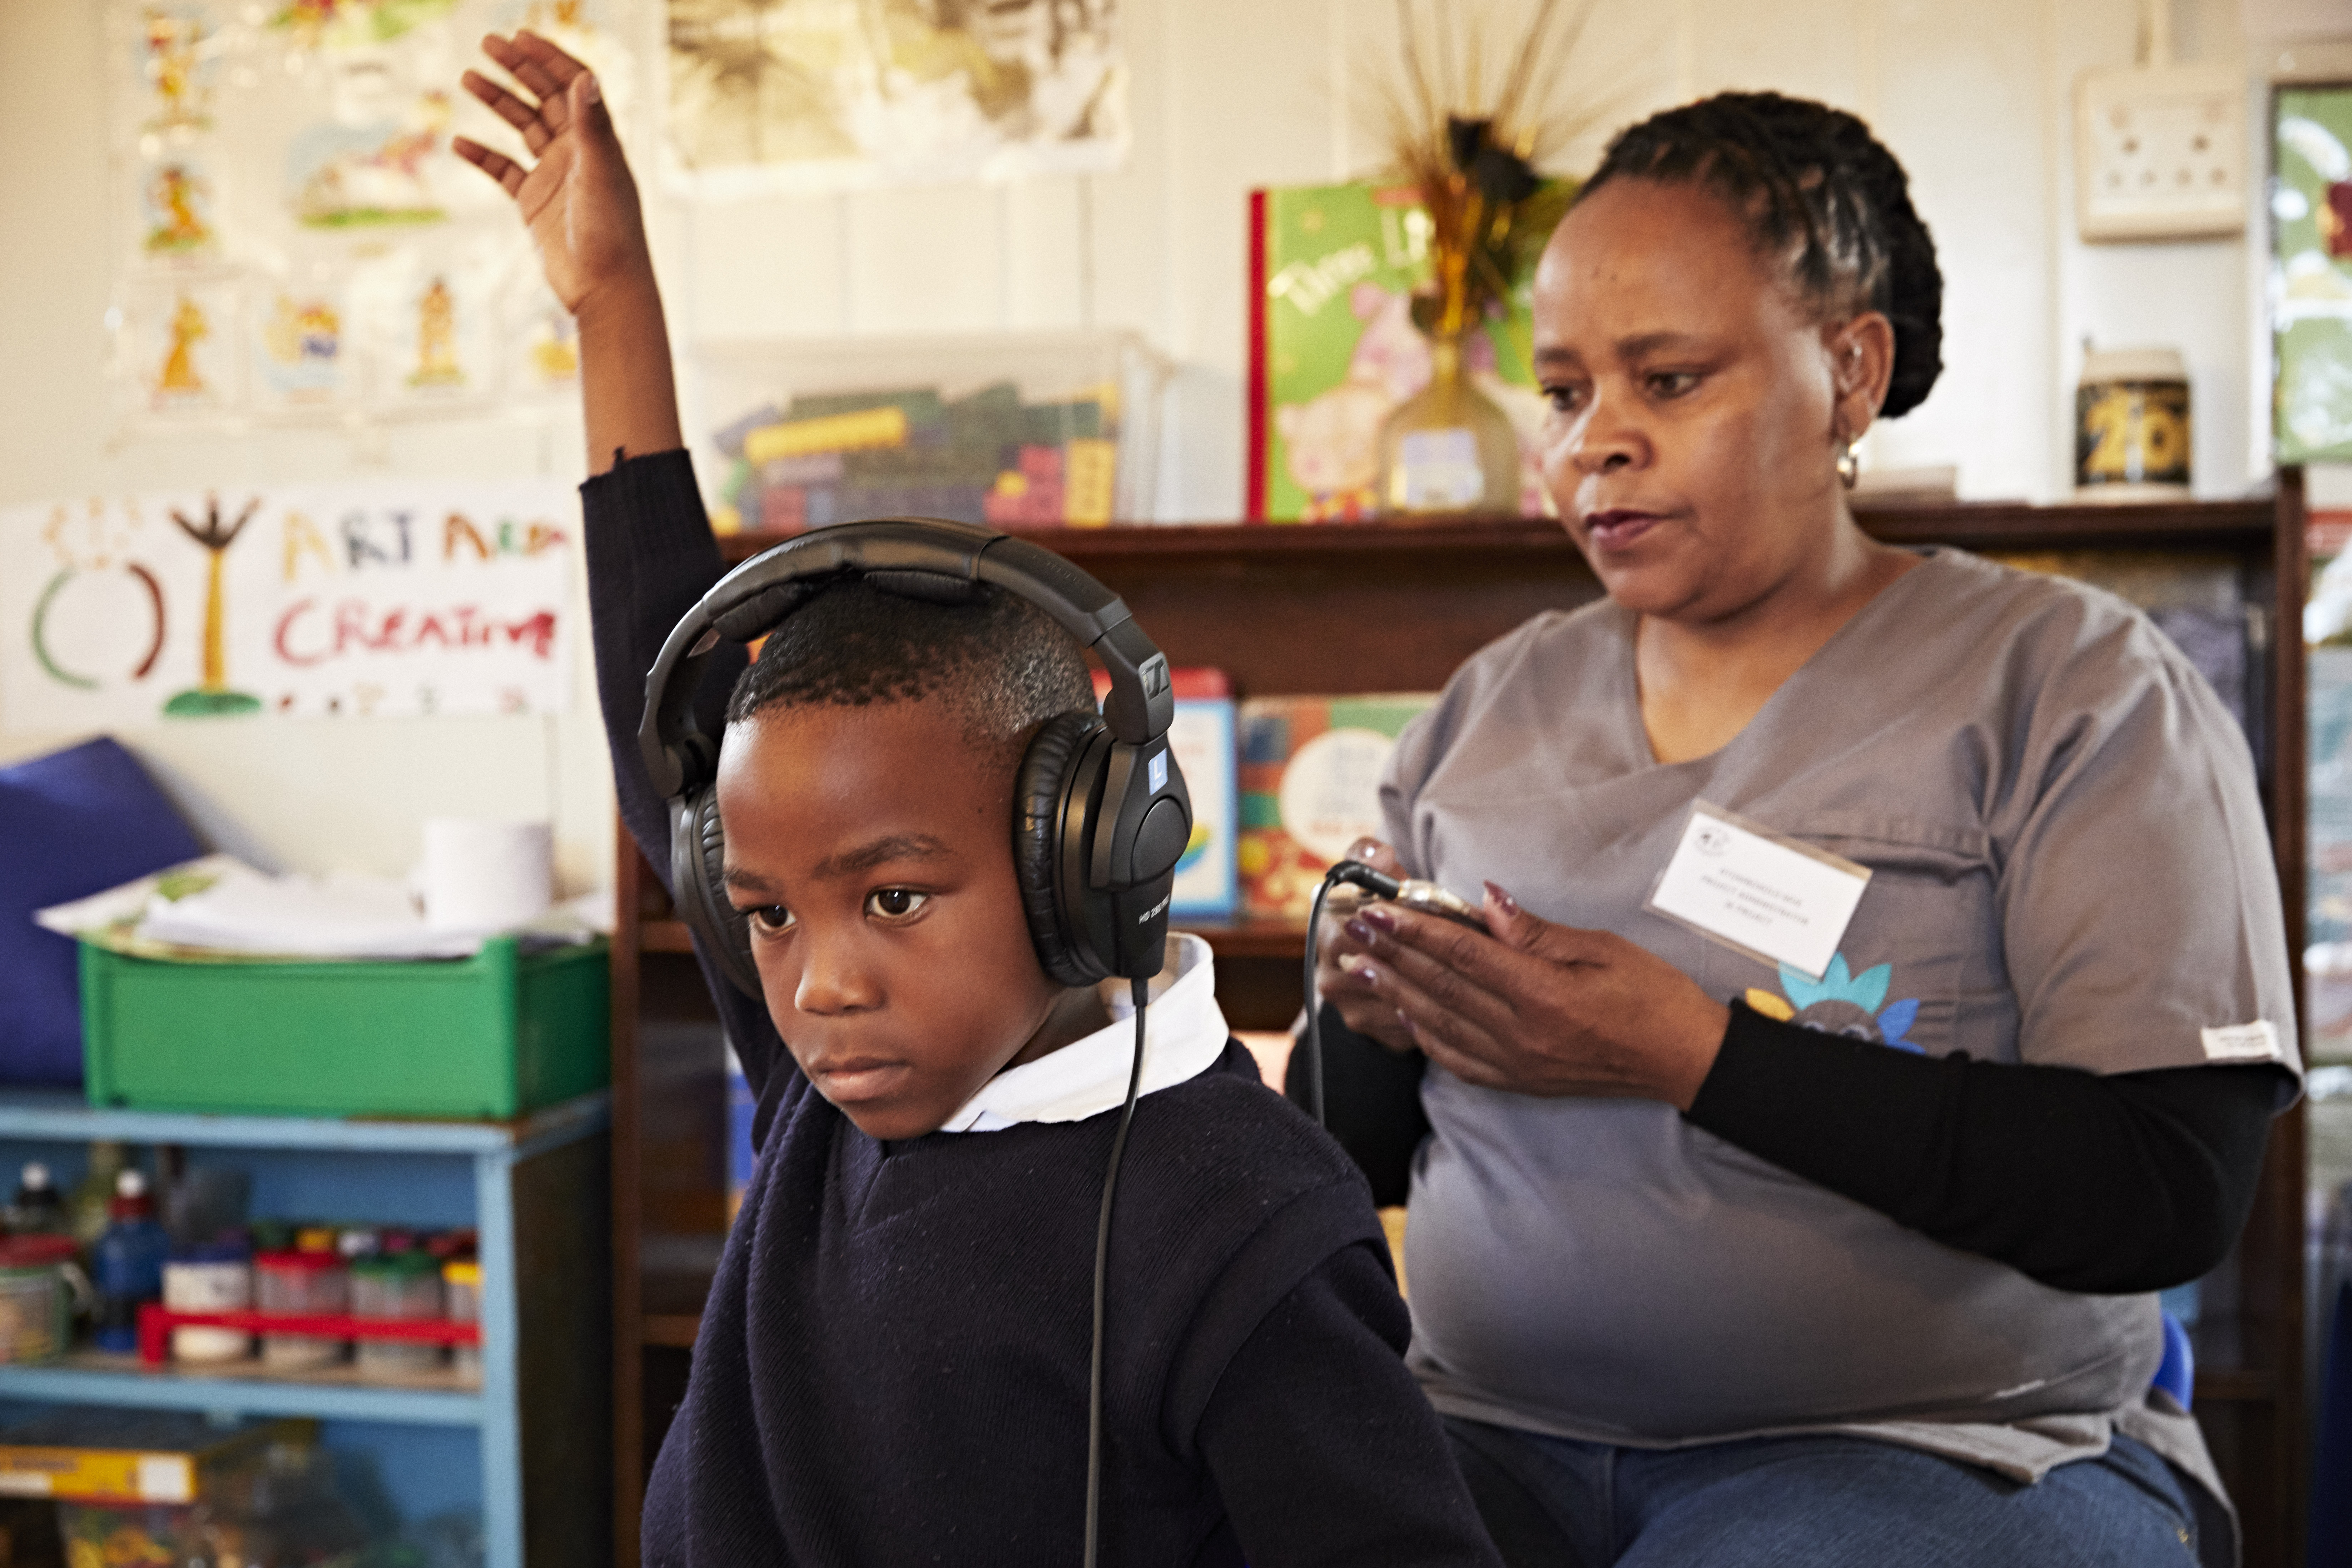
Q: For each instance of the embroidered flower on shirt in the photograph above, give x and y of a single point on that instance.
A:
(1843, 1003)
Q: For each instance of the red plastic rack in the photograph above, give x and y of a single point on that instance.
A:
(156, 1323)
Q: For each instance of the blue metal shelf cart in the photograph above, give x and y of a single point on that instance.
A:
(535, 1190)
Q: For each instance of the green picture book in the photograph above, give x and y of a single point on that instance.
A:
(1333, 349)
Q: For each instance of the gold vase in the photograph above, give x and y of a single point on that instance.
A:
(1450, 448)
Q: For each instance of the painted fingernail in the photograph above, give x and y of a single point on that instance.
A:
(1363, 847)
(1359, 929)
(1361, 968)
(1408, 1024)
(1379, 916)
(1503, 900)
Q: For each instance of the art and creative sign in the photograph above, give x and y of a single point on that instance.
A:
(297, 601)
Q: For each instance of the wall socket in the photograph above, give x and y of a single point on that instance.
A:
(2160, 152)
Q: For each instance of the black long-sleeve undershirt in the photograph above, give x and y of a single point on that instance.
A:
(2104, 1185)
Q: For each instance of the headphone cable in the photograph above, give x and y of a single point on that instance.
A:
(1360, 875)
(1141, 992)
(1313, 1038)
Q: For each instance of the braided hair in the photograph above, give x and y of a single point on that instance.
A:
(1814, 187)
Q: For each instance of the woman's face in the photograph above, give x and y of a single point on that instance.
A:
(1694, 432)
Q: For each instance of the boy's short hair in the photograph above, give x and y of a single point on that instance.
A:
(1002, 664)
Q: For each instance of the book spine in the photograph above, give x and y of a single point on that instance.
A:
(1254, 484)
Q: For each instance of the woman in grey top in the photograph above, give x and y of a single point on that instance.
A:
(1815, 1218)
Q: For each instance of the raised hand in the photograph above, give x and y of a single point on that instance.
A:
(581, 206)
(578, 199)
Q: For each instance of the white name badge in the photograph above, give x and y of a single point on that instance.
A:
(1772, 898)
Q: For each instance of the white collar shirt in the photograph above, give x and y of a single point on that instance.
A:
(1184, 1033)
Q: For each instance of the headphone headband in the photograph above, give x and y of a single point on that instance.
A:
(921, 558)
(1102, 814)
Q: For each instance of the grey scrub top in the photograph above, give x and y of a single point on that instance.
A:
(2069, 868)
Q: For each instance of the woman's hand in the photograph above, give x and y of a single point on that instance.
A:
(1534, 1008)
(579, 200)
(1364, 1013)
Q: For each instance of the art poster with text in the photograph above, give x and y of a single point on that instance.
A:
(316, 601)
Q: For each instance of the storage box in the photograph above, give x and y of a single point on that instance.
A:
(493, 1035)
(165, 1489)
(1015, 429)
(134, 1456)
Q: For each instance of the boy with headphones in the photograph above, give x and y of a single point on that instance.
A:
(915, 845)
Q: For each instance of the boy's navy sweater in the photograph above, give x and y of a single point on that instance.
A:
(892, 1366)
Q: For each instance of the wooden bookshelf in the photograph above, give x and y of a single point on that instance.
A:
(1397, 607)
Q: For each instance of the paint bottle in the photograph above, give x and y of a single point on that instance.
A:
(210, 1277)
(39, 1208)
(395, 1285)
(461, 1282)
(127, 1263)
(312, 1282)
(94, 1193)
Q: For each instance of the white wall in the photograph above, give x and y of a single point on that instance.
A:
(1227, 94)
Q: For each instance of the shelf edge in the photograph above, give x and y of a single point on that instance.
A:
(246, 1396)
(671, 1330)
(1993, 525)
(42, 1115)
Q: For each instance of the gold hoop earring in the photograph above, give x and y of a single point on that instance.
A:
(1849, 466)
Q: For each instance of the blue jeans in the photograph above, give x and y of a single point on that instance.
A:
(1822, 1502)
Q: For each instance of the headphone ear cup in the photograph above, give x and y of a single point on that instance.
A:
(698, 871)
(1041, 793)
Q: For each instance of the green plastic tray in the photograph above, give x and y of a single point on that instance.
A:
(494, 1036)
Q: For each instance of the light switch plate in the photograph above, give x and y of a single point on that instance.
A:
(2160, 152)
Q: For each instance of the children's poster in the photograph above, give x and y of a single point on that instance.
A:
(2311, 273)
(318, 601)
(819, 94)
(296, 241)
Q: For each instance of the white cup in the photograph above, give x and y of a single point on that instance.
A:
(485, 875)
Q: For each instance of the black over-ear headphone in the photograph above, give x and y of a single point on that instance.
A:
(1100, 814)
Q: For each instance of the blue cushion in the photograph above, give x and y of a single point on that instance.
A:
(74, 823)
